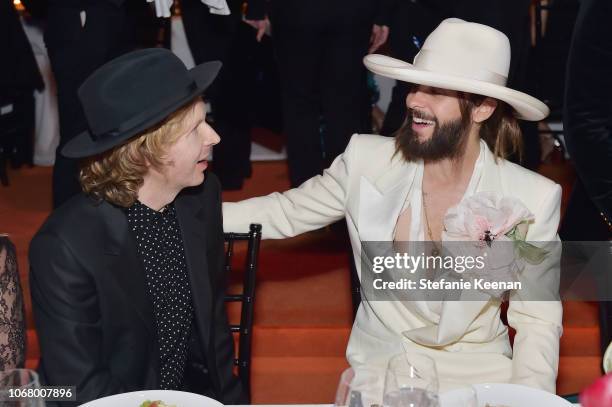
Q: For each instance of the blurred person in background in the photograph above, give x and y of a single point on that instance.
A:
(587, 128)
(213, 36)
(319, 45)
(19, 78)
(411, 22)
(80, 37)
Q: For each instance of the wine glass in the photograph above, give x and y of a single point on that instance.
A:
(14, 386)
(360, 387)
(411, 380)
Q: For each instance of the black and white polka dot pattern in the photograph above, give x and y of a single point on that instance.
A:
(160, 246)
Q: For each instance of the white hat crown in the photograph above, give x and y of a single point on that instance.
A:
(469, 50)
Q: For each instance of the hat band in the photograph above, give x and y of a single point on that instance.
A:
(435, 62)
(138, 119)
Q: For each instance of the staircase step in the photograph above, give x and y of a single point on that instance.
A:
(295, 380)
(578, 341)
(580, 313)
(577, 372)
(300, 342)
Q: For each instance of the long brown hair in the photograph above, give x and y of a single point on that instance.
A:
(501, 131)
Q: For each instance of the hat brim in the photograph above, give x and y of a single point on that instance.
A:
(526, 107)
(83, 145)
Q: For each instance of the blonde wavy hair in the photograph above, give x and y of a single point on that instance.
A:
(116, 175)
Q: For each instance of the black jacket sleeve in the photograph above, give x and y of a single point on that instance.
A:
(68, 322)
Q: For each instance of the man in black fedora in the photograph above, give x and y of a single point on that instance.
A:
(127, 277)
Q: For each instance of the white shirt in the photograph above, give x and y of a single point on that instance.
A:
(162, 7)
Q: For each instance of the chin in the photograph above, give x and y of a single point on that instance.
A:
(200, 178)
(196, 180)
(423, 138)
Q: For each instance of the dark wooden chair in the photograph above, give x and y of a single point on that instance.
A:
(246, 298)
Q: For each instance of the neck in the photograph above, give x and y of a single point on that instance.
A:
(454, 171)
(154, 194)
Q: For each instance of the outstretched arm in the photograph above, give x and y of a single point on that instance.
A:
(316, 203)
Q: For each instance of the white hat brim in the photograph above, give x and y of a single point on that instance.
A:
(526, 107)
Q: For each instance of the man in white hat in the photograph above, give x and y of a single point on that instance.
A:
(461, 123)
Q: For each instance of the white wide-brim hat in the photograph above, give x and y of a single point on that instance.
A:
(466, 57)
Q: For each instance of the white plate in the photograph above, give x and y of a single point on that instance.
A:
(510, 395)
(136, 398)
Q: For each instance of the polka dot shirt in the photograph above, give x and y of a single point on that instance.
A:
(160, 247)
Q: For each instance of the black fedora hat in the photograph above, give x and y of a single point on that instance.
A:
(133, 93)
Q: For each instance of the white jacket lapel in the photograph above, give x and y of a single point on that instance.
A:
(381, 202)
(490, 180)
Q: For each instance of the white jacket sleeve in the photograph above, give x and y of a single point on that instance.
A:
(316, 203)
(534, 314)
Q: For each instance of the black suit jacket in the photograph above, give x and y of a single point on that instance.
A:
(94, 319)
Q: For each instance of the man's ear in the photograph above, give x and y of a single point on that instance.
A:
(483, 111)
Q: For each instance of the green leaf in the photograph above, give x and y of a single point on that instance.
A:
(532, 254)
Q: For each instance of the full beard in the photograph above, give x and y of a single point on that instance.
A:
(447, 141)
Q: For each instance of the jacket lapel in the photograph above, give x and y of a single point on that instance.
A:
(125, 265)
(491, 178)
(192, 214)
(381, 200)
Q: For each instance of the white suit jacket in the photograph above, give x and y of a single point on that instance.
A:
(368, 185)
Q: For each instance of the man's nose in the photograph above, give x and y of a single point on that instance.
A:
(416, 98)
(211, 137)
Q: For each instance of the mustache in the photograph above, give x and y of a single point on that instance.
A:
(415, 113)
